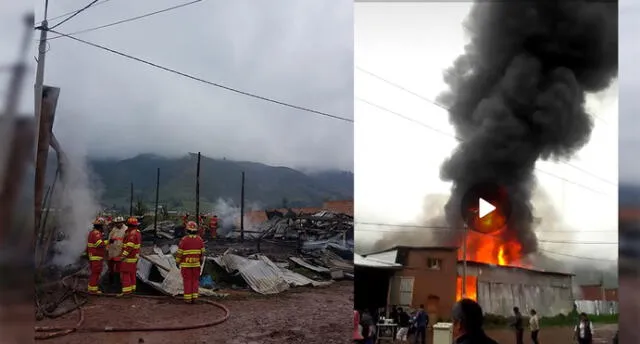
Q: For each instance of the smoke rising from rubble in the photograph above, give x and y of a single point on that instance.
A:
(228, 214)
(518, 95)
(77, 198)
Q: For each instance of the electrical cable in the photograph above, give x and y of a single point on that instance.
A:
(73, 15)
(400, 87)
(128, 19)
(460, 140)
(210, 83)
(74, 11)
(577, 257)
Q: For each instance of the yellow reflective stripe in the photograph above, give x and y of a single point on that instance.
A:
(127, 289)
(125, 253)
(189, 265)
(95, 258)
(97, 243)
(93, 245)
(131, 260)
(179, 251)
(187, 252)
(92, 288)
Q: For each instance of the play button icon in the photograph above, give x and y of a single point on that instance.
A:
(485, 207)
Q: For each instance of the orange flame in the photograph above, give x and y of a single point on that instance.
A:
(471, 291)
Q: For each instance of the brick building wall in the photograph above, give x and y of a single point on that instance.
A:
(433, 287)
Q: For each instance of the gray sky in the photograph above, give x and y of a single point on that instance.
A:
(299, 52)
(629, 87)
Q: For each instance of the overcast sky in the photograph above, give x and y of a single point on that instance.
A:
(299, 52)
(629, 87)
(398, 161)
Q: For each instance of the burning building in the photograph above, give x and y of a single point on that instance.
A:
(433, 276)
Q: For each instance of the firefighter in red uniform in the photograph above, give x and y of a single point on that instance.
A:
(129, 258)
(189, 258)
(201, 224)
(95, 253)
(213, 226)
(185, 219)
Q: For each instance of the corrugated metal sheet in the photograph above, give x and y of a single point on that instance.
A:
(389, 256)
(359, 260)
(315, 268)
(597, 307)
(261, 274)
(500, 298)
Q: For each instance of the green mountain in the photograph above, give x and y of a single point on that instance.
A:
(265, 186)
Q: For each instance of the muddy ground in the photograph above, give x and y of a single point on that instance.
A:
(302, 315)
(550, 335)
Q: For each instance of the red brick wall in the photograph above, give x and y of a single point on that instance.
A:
(344, 207)
(591, 292)
(428, 283)
(611, 294)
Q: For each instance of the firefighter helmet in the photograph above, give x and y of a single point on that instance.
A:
(133, 222)
(99, 222)
(119, 219)
(192, 226)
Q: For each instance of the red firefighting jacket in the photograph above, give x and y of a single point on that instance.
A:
(95, 246)
(190, 251)
(213, 223)
(131, 247)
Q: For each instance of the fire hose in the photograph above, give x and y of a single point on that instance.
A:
(54, 331)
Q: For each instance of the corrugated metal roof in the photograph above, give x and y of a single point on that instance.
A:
(359, 260)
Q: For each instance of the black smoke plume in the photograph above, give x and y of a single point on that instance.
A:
(518, 95)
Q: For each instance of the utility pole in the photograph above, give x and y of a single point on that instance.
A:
(464, 260)
(155, 219)
(131, 200)
(198, 191)
(242, 209)
(38, 86)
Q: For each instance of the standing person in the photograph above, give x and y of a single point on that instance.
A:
(534, 326)
(114, 248)
(213, 226)
(189, 258)
(518, 325)
(403, 326)
(357, 328)
(95, 253)
(129, 257)
(583, 332)
(368, 327)
(394, 314)
(422, 321)
(468, 323)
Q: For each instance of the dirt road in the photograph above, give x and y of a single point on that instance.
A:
(557, 335)
(319, 315)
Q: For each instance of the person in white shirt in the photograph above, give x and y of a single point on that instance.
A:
(583, 332)
(534, 326)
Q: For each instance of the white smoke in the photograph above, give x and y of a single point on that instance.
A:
(77, 201)
(229, 214)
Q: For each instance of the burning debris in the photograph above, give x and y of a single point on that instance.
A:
(518, 95)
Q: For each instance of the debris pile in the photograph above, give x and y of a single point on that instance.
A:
(318, 226)
(166, 230)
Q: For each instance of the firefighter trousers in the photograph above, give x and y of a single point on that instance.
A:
(191, 282)
(94, 278)
(128, 277)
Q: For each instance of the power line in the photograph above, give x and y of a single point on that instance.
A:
(577, 257)
(460, 139)
(189, 76)
(74, 11)
(400, 87)
(73, 15)
(452, 229)
(129, 19)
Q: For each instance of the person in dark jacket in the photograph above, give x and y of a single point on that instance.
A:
(422, 321)
(583, 332)
(518, 325)
(467, 323)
